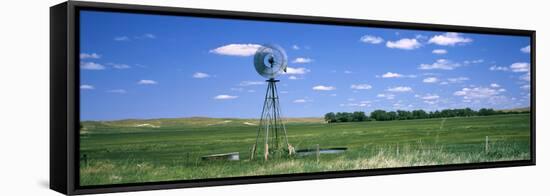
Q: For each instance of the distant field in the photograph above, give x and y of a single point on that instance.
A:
(131, 151)
(526, 109)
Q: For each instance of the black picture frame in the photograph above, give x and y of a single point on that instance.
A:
(64, 96)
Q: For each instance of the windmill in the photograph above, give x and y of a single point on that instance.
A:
(271, 139)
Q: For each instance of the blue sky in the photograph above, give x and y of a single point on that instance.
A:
(150, 66)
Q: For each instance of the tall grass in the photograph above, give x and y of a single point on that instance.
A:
(120, 152)
(135, 170)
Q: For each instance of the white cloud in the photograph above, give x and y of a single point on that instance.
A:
(89, 56)
(498, 68)
(296, 71)
(323, 88)
(360, 86)
(225, 97)
(237, 89)
(391, 75)
(396, 75)
(461, 92)
(299, 101)
(147, 82)
(146, 36)
(295, 47)
(526, 77)
(439, 51)
(449, 39)
(477, 93)
(236, 49)
(399, 105)
(117, 91)
(515, 67)
(86, 87)
(302, 60)
(474, 61)
(387, 96)
(421, 37)
(442, 64)
(122, 38)
(405, 44)
(431, 102)
(363, 105)
(430, 97)
(400, 89)
(119, 66)
(430, 80)
(458, 79)
(359, 104)
(200, 75)
(494, 85)
(526, 87)
(369, 39)
(431, 74)
(137, 37)
(348, 72)
(520, 67)
(478, 61)
(293, 78)
(526, 49)
(91, 66)
(251, 83)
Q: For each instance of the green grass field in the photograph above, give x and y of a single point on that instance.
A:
(132, 151)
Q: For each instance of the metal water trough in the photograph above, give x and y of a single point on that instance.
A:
(232, 156)
(313, 151)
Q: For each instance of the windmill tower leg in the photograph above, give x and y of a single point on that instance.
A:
(271, 130)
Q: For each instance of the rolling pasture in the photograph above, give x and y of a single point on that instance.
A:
(130, 151)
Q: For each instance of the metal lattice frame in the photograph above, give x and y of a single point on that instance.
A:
(271, 130)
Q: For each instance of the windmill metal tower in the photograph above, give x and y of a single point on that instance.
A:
(271, 138)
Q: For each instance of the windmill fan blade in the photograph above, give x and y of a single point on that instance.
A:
(270, 60)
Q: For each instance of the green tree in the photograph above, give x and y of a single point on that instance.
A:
(330, 117)
(403, 115)
(419, 114)
(486, 112)
(359, 116)
(392, 115)
(379, 115)
(344, 117)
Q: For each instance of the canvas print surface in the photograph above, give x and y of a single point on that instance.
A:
(166, 98)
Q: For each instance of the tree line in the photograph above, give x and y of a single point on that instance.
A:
(382, 115)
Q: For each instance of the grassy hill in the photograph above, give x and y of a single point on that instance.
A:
(525, 109)
(138, 125)
(128, 151)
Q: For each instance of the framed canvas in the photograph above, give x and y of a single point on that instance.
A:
(146, 97)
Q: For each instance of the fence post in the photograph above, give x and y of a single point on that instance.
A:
(397, 149)
(318, 153)
(266, 153)
(486, 144)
